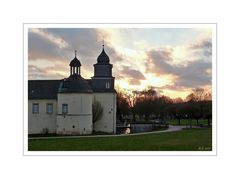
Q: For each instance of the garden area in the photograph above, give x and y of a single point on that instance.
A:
(184, 140)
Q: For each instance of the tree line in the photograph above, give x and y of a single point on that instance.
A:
(148, 105)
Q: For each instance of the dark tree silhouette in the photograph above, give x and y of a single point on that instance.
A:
(150, 105)
(123, 108)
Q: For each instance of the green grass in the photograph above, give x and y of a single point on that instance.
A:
(185, 122)
(185, 140)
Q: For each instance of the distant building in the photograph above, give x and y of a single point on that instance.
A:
(65, 106)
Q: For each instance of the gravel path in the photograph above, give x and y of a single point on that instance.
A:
(170, 129)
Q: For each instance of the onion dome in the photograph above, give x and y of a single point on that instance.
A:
(75, 65)
(103, 57)
(75, 62)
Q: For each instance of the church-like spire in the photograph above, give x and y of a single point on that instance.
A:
(103, 43)
(103, 79)
(103, 57)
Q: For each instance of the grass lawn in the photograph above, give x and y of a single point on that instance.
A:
(185, 140)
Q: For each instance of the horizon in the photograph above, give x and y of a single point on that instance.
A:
(171, 60)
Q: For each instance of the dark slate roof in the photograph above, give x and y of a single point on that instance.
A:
(43, 89)
(75, 63)
(48, 89)
(103, 58)
(75, 84)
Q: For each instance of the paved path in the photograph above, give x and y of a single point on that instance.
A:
(170, 129)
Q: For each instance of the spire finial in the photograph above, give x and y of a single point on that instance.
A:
(75, 53)
(103, 42)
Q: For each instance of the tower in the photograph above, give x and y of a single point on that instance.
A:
(75, 65)
(74, 103)
(104, 92)
(103, 79)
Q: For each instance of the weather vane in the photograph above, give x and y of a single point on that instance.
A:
(75, 53)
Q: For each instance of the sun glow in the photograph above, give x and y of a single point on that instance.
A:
(123, 84)
(176, 94)
(152, 80)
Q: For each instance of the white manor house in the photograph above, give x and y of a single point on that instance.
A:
(65, 106)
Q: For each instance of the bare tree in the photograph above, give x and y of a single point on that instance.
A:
(123, 107)
(177, 100)
(199, 94)
(208, 96)
(132, 98)
(97, 110)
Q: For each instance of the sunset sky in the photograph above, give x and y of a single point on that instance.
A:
(172, 60)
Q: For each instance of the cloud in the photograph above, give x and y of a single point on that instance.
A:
(87, 41)
(158, 61)
(195, 74)
(58, 44)
(170, 87)
(192, 74)
(205, 43)
(133, 76)
(203, 47)
(42, 48)
(46, 73)
(50, 37)
(186, 65)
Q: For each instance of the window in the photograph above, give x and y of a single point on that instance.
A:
(49, 108)
(107, 85)
(35, 108)
(64, 108)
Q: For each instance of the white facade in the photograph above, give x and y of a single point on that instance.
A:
(78, 119)
(42, 121)
(68, 110)
(107, 123)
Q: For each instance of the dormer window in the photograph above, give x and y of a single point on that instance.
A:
(107, 85)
